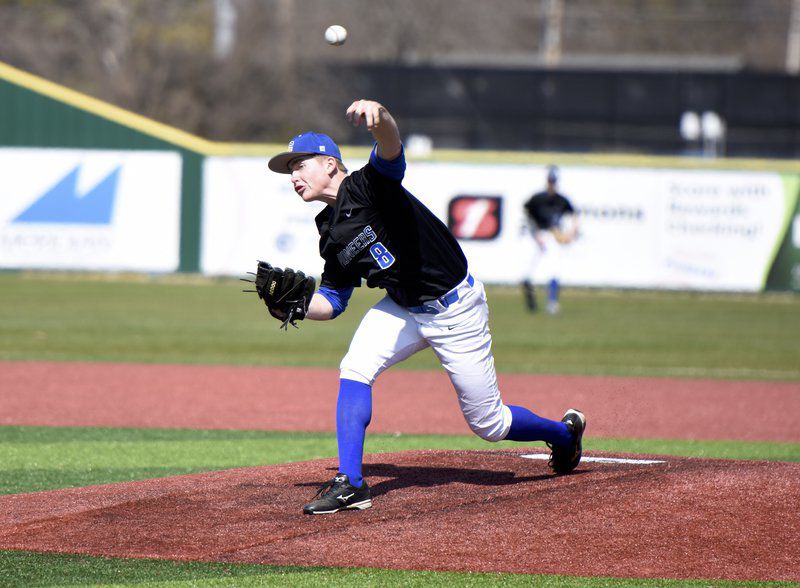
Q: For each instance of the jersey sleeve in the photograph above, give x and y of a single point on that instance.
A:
(334, 278)
(338, 297)
(378, 181)
(529, 208)
(393, 169)
(534, 210)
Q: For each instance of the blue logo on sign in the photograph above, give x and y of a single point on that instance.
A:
(381, 255)
(62, 204)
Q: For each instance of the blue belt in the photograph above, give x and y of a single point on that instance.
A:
(445, 301)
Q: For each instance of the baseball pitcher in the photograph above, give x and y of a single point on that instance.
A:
(373, 229)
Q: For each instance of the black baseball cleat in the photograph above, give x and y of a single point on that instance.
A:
(339, 494)
(565, 458)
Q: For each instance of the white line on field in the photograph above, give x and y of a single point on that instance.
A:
(546, 456)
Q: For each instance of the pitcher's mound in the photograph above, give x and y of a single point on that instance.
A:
(445, 510)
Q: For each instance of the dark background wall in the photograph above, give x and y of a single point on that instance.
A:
(587, 110)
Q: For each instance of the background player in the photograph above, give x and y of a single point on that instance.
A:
(373, 229)
(552, 224)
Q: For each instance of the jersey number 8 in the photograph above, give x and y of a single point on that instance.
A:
(381, 255)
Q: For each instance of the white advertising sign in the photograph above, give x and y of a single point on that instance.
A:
(89, 209)
(678, 229)
(251, 213)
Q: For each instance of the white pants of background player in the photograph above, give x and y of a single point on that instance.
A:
(459, 336)
(544, 261)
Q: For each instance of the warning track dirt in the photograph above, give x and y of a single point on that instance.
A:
(304, 399)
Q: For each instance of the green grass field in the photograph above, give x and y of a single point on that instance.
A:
(193, 320)
(186, 320)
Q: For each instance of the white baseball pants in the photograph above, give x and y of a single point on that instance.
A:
(544, 262)
(460, 338)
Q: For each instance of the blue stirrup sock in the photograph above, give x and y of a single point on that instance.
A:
(353, 414)
(526, 426)
(553, 290)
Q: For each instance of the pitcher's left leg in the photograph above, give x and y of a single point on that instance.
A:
(461, 340)
(386, 336)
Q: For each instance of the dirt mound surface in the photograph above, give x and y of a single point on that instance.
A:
(445, 510)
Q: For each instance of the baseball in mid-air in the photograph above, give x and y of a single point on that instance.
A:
(336, 35)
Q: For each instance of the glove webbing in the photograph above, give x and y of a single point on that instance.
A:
(290, 316)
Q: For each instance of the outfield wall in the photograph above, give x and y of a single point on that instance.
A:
(72, 209)
(642, 228)
(89, 186)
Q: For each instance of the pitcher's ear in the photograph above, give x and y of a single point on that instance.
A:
(331, 165)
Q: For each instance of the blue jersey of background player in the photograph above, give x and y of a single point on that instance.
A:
(373, 229)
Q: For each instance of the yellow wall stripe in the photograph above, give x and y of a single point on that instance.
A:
(104, 109)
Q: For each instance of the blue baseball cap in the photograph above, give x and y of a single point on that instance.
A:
(552, 174)
(304, 144)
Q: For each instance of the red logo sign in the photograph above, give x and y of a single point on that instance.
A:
(475, 217)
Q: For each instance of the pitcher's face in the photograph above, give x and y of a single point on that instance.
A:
(312, 175)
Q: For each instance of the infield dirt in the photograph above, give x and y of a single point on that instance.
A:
(304, 399)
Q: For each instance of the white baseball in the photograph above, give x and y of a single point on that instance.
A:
(336, 35)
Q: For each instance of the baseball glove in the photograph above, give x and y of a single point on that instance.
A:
(566, 230)
(286, 292)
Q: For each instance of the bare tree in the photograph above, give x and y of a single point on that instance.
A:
(278, 76)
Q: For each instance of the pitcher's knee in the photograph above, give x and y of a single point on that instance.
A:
(353, 367)
(487, 434)
(346, 373)
(491, 427)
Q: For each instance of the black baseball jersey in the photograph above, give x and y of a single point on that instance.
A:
(546, 209)
(379, 231)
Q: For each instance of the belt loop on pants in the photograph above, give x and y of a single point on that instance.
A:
(443, 302)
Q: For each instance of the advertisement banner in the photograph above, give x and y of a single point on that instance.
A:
(643, 228)
(251, 213)
(785, 271)
(76, 209)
